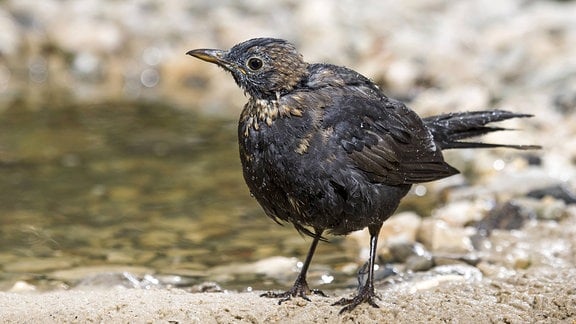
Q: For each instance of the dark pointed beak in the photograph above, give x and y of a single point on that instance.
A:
(216, 56)
(209, 55)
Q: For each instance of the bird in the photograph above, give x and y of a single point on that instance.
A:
(323, 148)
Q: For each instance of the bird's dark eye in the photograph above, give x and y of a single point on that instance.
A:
(254, 63)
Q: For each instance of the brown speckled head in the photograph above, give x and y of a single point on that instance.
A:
(263, 67)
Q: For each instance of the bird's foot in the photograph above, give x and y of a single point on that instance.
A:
(299, 289)
(365, 295)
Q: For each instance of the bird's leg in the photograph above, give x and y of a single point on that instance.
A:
(366, 292)
(300, 287)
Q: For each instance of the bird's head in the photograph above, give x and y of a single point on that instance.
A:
(263, 67)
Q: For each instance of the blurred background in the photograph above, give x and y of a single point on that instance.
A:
(118, 152)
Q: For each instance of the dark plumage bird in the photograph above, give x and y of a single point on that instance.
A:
(323, 148)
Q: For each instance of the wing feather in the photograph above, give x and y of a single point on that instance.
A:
(389, 142)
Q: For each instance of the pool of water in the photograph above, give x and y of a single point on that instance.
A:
(139, 185)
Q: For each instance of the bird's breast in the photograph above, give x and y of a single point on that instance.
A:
(259, 112)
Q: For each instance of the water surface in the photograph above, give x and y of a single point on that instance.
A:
(123, 184)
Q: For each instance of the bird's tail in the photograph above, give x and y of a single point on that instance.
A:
(449, 129)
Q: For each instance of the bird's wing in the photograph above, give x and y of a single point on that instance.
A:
(386, 140)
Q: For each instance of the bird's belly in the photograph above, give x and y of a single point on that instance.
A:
(313, 189)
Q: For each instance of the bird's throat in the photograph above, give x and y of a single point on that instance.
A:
(259, 112)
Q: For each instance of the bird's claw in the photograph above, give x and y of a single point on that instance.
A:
(299, 289)
(365, 295)
(285, 296)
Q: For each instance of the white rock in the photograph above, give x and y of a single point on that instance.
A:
(460, 213)
(22, 286)
(439, 236)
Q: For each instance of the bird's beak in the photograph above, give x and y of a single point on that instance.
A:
(215, 56)
(209, 55)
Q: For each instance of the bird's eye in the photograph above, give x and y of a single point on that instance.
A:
(254, 63)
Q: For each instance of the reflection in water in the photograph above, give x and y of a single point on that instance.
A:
(120, 184)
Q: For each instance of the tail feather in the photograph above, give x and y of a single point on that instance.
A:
(449, 129)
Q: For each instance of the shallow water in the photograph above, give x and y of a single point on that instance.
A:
(142, 185)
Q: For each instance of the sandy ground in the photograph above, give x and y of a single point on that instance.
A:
(494, 291)
(546, 297)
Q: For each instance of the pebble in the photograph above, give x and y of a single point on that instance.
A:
(207, 286)
(439, 236)
(507, 216)
(400, 252)
(464, 212)
(22, 286)
(419, 262)
(401, 228)
(560, 192)
(447, 259)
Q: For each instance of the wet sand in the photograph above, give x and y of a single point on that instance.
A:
(548, 296)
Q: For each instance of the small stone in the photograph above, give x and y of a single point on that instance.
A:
(400, 252)
(448, 259)
(22, 286)
(438, 236)
(522, 261)
(207, 286)
(402, 227)
(560, 192)
(461, 213)
(419, 262)
(508, 216)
